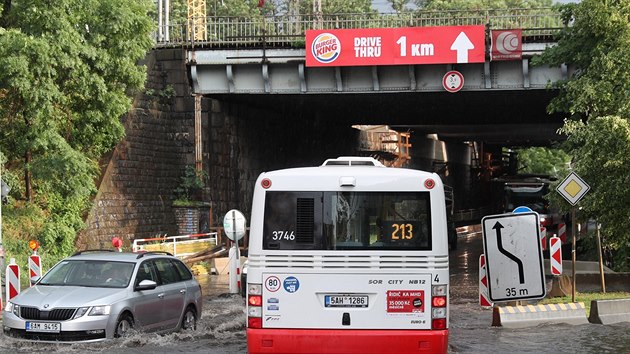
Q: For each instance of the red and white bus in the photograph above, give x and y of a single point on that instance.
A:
(348, 257)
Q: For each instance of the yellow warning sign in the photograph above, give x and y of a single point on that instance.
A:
(573, 188)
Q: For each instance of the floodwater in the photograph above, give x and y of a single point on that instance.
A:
(222, 326)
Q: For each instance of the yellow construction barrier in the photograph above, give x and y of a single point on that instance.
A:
(532, 315)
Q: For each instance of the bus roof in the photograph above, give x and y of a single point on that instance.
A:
(362, 173)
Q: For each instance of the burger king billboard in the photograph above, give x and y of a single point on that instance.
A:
(395, 46)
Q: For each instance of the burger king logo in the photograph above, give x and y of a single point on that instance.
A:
(326, 48)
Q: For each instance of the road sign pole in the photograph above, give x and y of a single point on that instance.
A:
(601, 261)
(573, 252)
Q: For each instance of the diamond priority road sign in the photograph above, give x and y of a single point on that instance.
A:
(573, 188)
(514, 263)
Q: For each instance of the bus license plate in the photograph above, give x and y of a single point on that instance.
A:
(50, 327)
(346, 301)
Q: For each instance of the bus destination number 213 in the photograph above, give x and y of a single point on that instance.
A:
(401, 231)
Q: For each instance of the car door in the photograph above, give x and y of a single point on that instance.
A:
(174, 290)
(147, 308)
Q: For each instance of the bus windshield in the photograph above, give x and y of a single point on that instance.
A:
(347, 221)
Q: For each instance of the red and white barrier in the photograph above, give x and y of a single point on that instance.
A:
(543, 237)
(555, 246)
(483, 283)
(12, 282)
(34, 268)
(562, 232)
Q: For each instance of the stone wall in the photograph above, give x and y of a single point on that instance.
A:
(239, 142)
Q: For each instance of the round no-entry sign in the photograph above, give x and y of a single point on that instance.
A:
(453, 81)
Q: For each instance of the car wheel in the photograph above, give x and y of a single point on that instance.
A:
(124, 324)
(189, 321)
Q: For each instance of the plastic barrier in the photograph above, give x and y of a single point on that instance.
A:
(484, 301)
(610, 311)
(12, 276)
(532, 315)
(34, 268)
(556, 255)
(562, 232)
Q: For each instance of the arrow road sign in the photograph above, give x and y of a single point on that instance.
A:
(514, 264)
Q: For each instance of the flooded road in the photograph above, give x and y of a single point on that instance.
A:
(222, 326)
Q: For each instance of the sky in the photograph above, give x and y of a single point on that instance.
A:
(383, 5)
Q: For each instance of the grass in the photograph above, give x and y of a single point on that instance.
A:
(586, 298)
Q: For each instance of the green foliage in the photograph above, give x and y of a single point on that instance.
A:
(602, 150)
(597, 100)
(480, 4)
(544, 161)
(191, 184)
(67, 71)
(598, 44)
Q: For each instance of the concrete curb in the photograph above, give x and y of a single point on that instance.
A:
(610, 311)
(532, 315)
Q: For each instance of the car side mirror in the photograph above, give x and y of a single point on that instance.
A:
(146, 285)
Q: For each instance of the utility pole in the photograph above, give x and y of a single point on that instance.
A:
(2, 192)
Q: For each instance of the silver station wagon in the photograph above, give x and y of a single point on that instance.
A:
(97, 295)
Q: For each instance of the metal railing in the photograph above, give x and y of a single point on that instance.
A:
(180, 246)
(289, 30)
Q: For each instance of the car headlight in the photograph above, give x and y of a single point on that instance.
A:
(11, 307)
(80, 312)
(99, 311)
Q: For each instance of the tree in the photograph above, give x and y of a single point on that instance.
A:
(596, 100)
(67, 71)
(598, 44)
(480, 4)
(601, 150)
(543, 161)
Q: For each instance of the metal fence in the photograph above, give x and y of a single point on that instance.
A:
(289, 30)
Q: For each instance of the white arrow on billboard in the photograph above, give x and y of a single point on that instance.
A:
(462, 45)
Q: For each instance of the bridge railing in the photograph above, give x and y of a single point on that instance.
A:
(289, 30)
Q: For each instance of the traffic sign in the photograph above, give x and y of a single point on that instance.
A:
(521, 209)
(573, 188)
(396, 46)
(514, 263)
(453, 81)
(234, 225)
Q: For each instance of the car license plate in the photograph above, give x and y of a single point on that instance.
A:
(346, 300)
(50, 327)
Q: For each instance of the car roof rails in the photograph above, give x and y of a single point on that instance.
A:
(153, 252)
(94, 250)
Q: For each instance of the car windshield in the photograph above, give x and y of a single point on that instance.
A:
(92, 273)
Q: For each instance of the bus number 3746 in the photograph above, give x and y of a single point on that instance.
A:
(283, 235)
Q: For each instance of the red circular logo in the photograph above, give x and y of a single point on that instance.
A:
(265, 183)
(429, 183)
